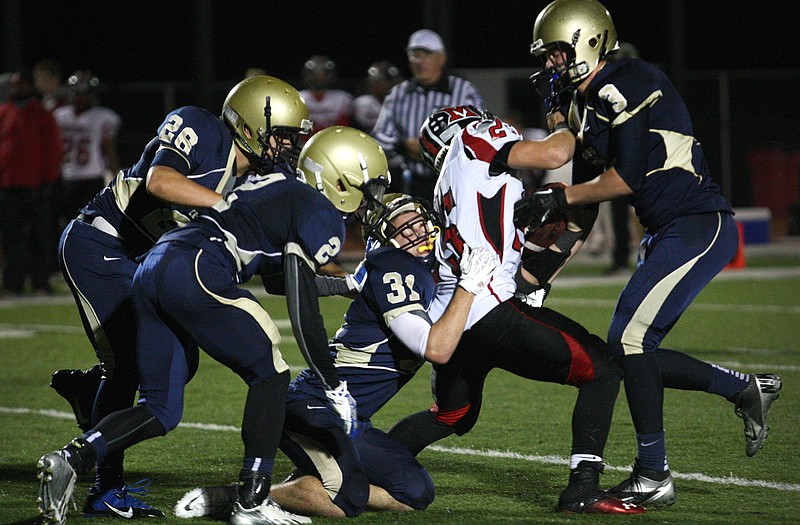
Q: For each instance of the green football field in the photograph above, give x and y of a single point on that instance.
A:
(510, 468)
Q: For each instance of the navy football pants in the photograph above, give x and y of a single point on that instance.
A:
(183, 292)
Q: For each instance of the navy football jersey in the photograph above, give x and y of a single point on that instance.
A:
(265, 218)
(193, 142)
(367, 355)
(634, 120)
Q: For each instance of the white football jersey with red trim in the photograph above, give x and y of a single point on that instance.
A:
(83, 134)
(477, 209)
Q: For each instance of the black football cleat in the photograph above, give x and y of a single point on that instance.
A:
(583, 494)
(79, 388)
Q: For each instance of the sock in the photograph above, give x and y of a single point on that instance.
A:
(575, 459)
(261, 466)
(262, 423)
(652, 451)
(417, 431)
(727, 383)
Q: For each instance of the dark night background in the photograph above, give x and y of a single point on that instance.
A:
(722, 54)
(146, 40)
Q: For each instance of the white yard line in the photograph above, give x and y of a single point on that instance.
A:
(550, 460)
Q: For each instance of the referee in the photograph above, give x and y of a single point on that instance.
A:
(410, 103)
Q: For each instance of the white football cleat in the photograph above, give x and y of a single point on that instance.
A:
(207, 501)
(268, 513)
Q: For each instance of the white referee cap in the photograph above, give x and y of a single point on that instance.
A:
(425, 39)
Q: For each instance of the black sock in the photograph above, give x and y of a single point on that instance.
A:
(417, 431)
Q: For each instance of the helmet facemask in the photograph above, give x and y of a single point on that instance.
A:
(416, 234)
(281, 142)
(555, 83)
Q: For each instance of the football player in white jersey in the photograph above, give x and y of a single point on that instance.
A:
(326, 106)
(475, 201)
(89, 132)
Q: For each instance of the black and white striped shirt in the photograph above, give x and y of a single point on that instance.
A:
(407, 106)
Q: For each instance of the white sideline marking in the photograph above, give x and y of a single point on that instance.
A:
(549, 460)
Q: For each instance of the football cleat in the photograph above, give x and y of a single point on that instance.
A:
(79, 388)
(208, 501)
(752, 405)
(583, 494)
(56, 484)
(268, 513)
(646, 488)
(119, 503)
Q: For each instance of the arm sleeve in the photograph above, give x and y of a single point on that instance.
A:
(412, 329)
(327, 286)
(309, 330)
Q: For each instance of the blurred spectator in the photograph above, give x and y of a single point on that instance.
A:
(410, 103)
(5, 86)
(90, 154)
(254, 72)
(382, 76)
(47, 79)
(30, 155)
(326, 106)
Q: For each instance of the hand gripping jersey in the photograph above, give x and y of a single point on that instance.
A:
(634, 120)
(368, 356)
(192, 141)
(265, 218)
(478, 209)
(83, 136)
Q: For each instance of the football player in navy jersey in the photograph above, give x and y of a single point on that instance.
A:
(221, 248)
(386, 337)
(635, 139)
(192, 161)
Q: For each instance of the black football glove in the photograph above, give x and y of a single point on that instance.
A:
(538, 207)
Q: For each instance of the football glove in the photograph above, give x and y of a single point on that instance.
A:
(476, 267)
(344, 405)
(536, 297)
(538, 207)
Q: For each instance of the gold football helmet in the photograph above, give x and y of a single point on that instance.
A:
(347, 166)
(582, 29)
(261, 108)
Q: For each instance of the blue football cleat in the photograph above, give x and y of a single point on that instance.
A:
(120, 503)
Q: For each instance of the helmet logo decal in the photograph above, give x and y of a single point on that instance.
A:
(316, 169)
(231, 115)
(362, 163)
(576, 36)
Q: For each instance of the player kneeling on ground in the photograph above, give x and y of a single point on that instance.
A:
(188, 288)
(386, 337)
